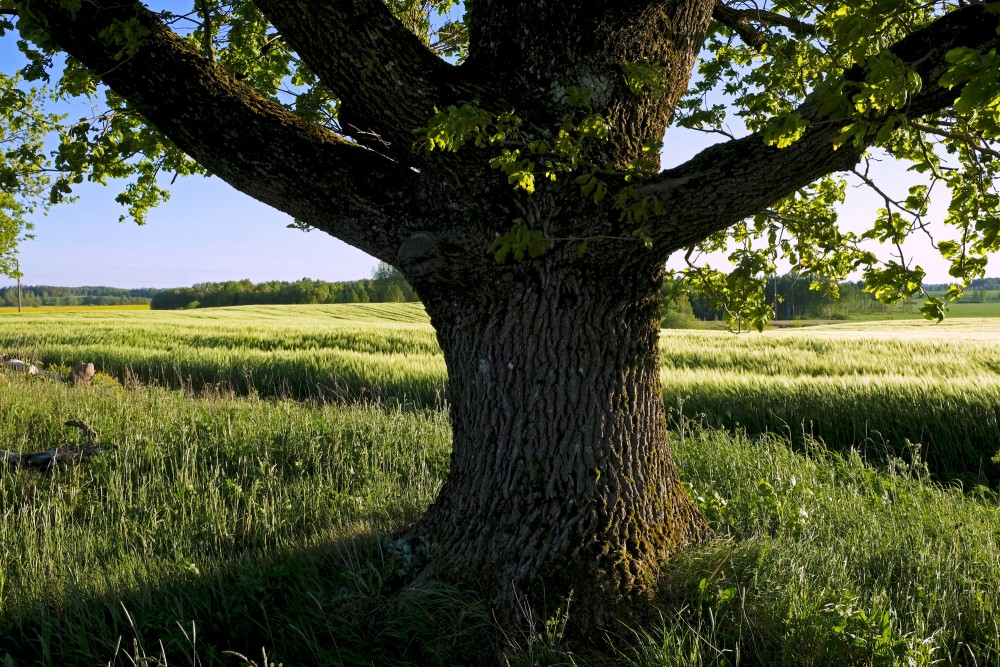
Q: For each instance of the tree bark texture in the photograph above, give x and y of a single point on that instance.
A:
(561, 475)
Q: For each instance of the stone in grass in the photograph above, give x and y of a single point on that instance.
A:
(82, 373)
(22, 366)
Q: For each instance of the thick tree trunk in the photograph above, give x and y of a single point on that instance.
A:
(561, 474)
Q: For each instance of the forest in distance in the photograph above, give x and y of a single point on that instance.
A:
(385, 286)
(790, 296)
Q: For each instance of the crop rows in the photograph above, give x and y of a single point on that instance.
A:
(871, 385)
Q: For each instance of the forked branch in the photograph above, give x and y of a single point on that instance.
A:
(728, 182)
(747, 22)
(388, 82)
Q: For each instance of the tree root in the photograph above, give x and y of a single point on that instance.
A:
(68, 453)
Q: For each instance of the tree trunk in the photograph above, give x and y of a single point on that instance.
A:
(561, 474)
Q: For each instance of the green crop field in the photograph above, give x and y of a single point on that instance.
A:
(12, 310)
(871, 385)
(350, 351)
(227, 516)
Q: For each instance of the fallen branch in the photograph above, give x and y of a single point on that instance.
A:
(68, 453)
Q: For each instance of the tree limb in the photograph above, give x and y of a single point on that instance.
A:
(387, 81)
(250, 142)
(207, 29)
(744, 23)
(729, 182)
(67, 453)
(967, 139)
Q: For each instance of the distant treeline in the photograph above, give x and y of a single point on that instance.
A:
(982, 290)
(791, 299)
(47, 295)
(386, 286)
(789, 295)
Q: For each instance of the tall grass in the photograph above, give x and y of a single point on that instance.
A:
(217, 512)
(220, 524)
(824, 560)
(874, 385)
(348, 352)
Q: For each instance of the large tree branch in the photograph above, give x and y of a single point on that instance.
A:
(250, 142)
(388, 82)
(731, 181)
(744, 23)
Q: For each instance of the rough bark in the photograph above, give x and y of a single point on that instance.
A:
(537, 50)
(561, 475)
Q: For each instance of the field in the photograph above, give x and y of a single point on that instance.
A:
(232, 516)
(349, 352)
(12, 310)
(874, 386)
(871, 385)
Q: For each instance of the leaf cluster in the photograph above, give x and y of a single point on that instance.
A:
(840, 72)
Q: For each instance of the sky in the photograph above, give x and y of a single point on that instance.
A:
(209, 232)
(206, 232)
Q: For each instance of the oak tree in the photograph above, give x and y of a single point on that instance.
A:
(506, 158)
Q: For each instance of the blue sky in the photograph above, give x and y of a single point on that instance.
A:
(206, 232)
(209, 232)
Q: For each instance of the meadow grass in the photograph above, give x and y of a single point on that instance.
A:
(213, 511)
(881, 387)
(220, 524)
(878, 386)
(347, 352)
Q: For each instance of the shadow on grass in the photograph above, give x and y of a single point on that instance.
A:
(347, 603)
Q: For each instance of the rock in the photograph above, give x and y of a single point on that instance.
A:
(22, 366)
(82, 373)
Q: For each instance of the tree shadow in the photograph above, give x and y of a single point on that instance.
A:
(348, 602)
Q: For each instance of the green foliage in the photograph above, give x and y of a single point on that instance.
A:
(764, 85)
(450, 129)
(786, 129)
(23, 175)
(643, 78)
(128, 35)
(980, 97)
(518, 243)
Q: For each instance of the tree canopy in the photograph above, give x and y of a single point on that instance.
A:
(507, 162)
(832, 84)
